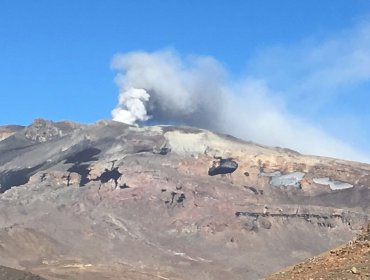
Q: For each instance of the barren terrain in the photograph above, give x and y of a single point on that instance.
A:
(112, 201)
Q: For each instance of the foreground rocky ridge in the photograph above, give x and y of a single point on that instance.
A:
(351, 261)
(164, 202)
(7, 273)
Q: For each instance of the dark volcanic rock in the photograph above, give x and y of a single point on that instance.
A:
(108, 175)
(224, 166)
(16, 178)
(86, 155)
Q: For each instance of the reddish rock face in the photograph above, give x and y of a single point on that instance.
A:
(104, 200)
(9, 130)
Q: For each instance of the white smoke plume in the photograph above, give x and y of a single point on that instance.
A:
(195, 90)
(131, 106)
(186, 91)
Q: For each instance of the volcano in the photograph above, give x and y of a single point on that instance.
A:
(113, 201)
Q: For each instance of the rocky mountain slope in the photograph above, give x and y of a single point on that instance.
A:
(112, 201)
(351, 261)
(7, 273)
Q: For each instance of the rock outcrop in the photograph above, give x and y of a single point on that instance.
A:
(44, 130)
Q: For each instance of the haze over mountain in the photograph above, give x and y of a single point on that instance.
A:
(166, 88)
(109, 200)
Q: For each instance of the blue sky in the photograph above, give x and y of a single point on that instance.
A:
(55, 56)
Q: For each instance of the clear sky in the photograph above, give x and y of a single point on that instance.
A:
(55, 55)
